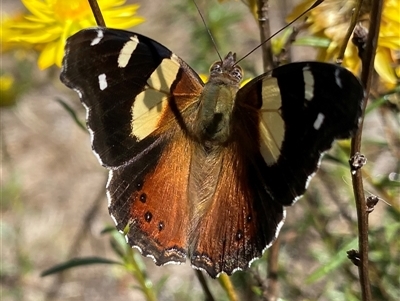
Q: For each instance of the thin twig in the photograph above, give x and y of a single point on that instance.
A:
(97, 13)
(265, 33)
(262, 10)
(362, 214)
(284, 54)
(353, 23)
(272, 272)
(204, 286)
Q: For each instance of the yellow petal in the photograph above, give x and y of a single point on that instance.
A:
(106, 4)
(59, 51)
(47, 56)
(383, 65)
(38, 8)
(36, 37)
(26, 25)
(43, 19)
(390, 42)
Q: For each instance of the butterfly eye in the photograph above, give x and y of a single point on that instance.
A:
(237, 73)
(216, 68)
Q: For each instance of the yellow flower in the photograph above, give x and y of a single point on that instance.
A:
(331, 20)
(8, 92)
(51, 22)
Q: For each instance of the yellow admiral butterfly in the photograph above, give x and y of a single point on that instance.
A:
(203, 171)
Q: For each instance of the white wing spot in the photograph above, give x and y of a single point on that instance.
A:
(318, 122)
(308, 83)
(338, 79)
(126, 52)
(97, 39)
(102, 82)
(272, 126)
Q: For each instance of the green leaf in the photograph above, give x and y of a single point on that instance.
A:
(138, 259)
(108, 229)
(313, 42)
(75, 262)
(117, 248)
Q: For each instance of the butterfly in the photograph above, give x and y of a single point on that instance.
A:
(202, 171)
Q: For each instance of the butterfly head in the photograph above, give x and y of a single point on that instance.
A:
(226, 71)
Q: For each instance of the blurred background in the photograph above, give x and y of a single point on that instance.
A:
(53, 203)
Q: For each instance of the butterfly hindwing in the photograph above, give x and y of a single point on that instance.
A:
(148, 200)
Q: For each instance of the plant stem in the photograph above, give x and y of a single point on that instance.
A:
(265, 33)
(227, 285)
(272, 276)
(353, 23)
(204, 286)
(140, 275)
(366, 75)
(97, 13)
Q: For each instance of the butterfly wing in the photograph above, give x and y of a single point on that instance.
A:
(137, 95)
(304, 107)
(283, 122)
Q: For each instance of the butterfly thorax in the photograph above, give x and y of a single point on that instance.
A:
(217, 102)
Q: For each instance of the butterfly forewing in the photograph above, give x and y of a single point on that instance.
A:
(125, 81)
(304, 107)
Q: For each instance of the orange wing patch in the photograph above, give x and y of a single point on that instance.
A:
(160, 209)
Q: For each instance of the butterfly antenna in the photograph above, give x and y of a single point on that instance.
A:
(367, 191)
(316, 3)
(208, 30)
